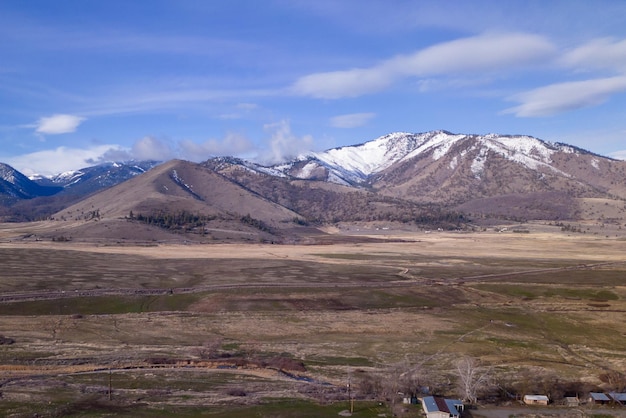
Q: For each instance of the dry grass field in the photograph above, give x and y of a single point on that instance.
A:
(204, 330)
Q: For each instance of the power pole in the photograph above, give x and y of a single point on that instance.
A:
(350, 394)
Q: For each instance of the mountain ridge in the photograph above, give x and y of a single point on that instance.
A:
(434, 178)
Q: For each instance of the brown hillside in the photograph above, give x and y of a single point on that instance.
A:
(227, 211)
(176, 186)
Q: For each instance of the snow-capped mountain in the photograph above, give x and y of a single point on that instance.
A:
(392, 176)
(513, 175)
(23, 198)
(15, 186)
(98, 177)
(355, 165)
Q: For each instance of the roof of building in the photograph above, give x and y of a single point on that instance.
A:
(536, 398)
(598, 396)
(620, 397)
(435, 404)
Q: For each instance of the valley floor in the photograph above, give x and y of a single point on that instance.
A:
(170, 326)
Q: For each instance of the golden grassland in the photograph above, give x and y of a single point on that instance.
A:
(543, 301)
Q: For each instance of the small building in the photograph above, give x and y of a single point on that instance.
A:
(620, 398)
(599, 398)
(536, 400)
(572, 401)
(436, 407)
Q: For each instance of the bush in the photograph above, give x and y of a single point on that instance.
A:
(6, 340)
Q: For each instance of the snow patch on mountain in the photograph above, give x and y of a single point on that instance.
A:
(454, 162)
(595, 163)
(478, 163)
(369, 157)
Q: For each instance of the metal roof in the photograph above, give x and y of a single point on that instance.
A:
(598, 396)
(620, 397)
(436, 404)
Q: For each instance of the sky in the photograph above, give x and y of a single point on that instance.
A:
(88, 81)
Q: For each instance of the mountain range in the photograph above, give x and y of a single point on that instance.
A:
(435, 178)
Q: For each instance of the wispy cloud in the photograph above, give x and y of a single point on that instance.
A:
(489, 52)
(231, 144)
(352, 120)
(557, 98)
(283, 143)
(54, 161)
(163, 96)
(58, 124)
(603, 54)
(619, 155)
(151, 148)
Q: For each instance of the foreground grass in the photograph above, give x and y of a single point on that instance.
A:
(354, 311)
(99, 407)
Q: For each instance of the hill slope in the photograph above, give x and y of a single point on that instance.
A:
(173, 193)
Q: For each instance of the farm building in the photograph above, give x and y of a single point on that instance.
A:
(599, 398)
(620, 398)
(572, 401)
(536, 400)
(436, 407)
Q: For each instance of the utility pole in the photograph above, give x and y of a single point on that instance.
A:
(350, 393)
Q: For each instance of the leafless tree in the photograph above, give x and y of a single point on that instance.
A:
(210, 349)
(616, 380)
(473, 379)
(391, 383)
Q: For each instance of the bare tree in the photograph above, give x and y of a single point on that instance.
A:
(473, 379)
(616, 381)
(390, 383)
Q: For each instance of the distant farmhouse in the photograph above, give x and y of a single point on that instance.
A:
(436, 407)
(536, 400)
(599, 398)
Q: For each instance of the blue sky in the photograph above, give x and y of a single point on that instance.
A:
(86, 81)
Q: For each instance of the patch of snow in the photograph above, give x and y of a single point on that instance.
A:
(370, 157)
(454, 162)
(308, 169)
(443, 142)
(478, 163)
(439, 142)
(180, 181)
(595, 163)
(334, 178)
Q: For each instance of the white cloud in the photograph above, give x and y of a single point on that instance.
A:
(247, 106)
(58, 124)
(427, 85)
(352, 120)
(604, 54)
(474, 54)
(232, 144)
(618, 155)
(561, 97)
(338, 84)
(283, 144)
(484, 53)
(61, 159)
(150, 148)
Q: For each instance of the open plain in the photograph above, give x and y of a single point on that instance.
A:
(171, 329)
